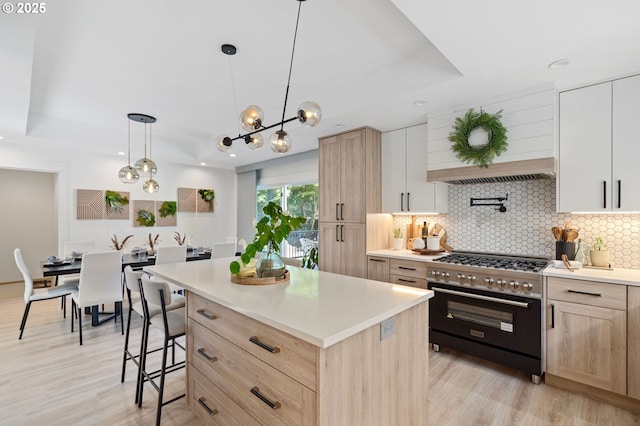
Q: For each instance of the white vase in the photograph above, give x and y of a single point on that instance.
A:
(599, 257)
(433, 243)
(398, 243)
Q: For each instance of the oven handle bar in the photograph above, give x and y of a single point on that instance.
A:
(481, 297)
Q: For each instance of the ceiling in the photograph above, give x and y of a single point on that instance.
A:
(70, 75)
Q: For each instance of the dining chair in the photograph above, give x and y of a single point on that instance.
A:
(172, 323)
(233, 240)
(31, 296)
(133, 281)
(219, 250)
(100, 283)
(174, 254)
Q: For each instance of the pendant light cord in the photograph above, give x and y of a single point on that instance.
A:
(293, 49)
(129, 144)
(235, 98)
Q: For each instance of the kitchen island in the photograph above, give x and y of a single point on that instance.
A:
(321, 349)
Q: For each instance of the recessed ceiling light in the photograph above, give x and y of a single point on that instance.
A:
(419, 102)
(203, 164)
(1, 137)
(339, 125)
(122, 153)
(559, 63)
(232, 155)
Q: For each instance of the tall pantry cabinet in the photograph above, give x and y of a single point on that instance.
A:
(349, 187)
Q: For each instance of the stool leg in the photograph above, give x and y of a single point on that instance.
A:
(126, 343)
(142, 361)
(162, 373)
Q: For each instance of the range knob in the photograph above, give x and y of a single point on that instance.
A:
(445, 274)
(461, 277)
(471, 278)
(488, 281)
(501, 283)
(527, 286)
(435, 273)
(514, 284)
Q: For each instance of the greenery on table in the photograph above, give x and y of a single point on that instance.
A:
(146, 218)
(310, 258)
(482, 155)
(114, 201)
(274, 227)
(168, 208)
(207, 194)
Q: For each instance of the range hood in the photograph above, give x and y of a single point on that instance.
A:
(511, 171)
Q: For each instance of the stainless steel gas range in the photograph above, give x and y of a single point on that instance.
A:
(490, 306)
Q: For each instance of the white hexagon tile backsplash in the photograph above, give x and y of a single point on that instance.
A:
(525, 228)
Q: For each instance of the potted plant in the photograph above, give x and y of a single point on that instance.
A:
(398, 239)
(274, 227)
(599, 253)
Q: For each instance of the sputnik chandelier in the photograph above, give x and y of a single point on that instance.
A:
(251, 119)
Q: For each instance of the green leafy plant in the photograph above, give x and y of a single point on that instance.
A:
(274, 227)
(115, 202)
(168, 208)
(310, 258)
(482, 155)
(397, 233)
(146, 218)
(598, 244)
(207, 194)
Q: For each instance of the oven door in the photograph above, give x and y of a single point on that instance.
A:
(498, 319)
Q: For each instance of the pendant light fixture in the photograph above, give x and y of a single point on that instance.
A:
(251, 119)
(128, 174)
(145, 165)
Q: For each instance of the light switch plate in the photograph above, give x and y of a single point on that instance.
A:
(387, 328)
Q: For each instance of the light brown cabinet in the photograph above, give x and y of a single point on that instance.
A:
(587, 333)
(408, 272)
(378, 268)
(349, 188)
(633, 344)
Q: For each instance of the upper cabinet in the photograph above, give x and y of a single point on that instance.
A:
(597, 152)
(404, 174)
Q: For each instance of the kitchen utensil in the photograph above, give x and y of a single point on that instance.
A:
(565, 259)
(557, 233)
(572, 234)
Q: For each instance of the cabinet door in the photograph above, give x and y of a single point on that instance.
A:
(394, 169)
(329, 247)
(633, 347)
(378, 268)
(423, 196)
(353, 183)
(330, 154)
(584, 178)
(587, 344)
(353, 249)
(626, 173)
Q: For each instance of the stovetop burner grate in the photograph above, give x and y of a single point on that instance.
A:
(495, 261)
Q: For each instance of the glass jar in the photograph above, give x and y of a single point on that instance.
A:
(270, 264)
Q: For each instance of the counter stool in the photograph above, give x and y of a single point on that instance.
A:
(156, 293)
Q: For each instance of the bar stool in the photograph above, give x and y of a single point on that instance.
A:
(156, 293)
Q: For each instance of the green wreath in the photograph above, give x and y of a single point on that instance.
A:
(482, 155)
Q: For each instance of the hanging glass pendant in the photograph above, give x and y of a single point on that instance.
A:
(254, 141)
(223, 143)
(128, 174)
(280, 142)
(251, 118)
(309, 113)
(146, 166)
(150, 186)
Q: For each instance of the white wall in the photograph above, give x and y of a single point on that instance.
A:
(85, 171)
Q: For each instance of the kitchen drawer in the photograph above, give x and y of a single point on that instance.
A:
(213, 406)
(279, 400)
(613, 296)
(409, 281)
(294, 357)
(408, 268)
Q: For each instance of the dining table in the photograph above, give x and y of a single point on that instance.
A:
(136, 261)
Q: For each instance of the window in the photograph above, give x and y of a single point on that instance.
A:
(299, 200)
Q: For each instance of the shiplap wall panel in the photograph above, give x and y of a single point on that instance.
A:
(527, 115)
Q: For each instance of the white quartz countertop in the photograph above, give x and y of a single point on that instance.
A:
(616, 276)
(319, 307)
(403, 254)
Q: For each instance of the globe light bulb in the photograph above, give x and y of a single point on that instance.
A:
(251, 118)
(223, 143)
(146, 166)
(280, 142)
(128, 174)
(255, 141)
(150, 186)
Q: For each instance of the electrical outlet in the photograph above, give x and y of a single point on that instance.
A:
(387, 328)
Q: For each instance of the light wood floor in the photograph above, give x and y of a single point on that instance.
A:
(48, 379)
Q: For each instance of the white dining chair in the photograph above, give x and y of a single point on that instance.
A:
(31, 296)
(173, 254)
(233, 240)
(73, 247)
(219, 250)
(100, 283)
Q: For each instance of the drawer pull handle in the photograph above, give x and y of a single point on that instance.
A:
(206, 356)
(204, 405)
(272, 349)
(377, 260)
(256, 391)
(206, 315)
(585, 293)
(408, 269)
(406, 281)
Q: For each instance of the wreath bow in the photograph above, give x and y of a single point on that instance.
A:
(482, 155)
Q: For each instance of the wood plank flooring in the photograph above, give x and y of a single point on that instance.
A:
(48, 379)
